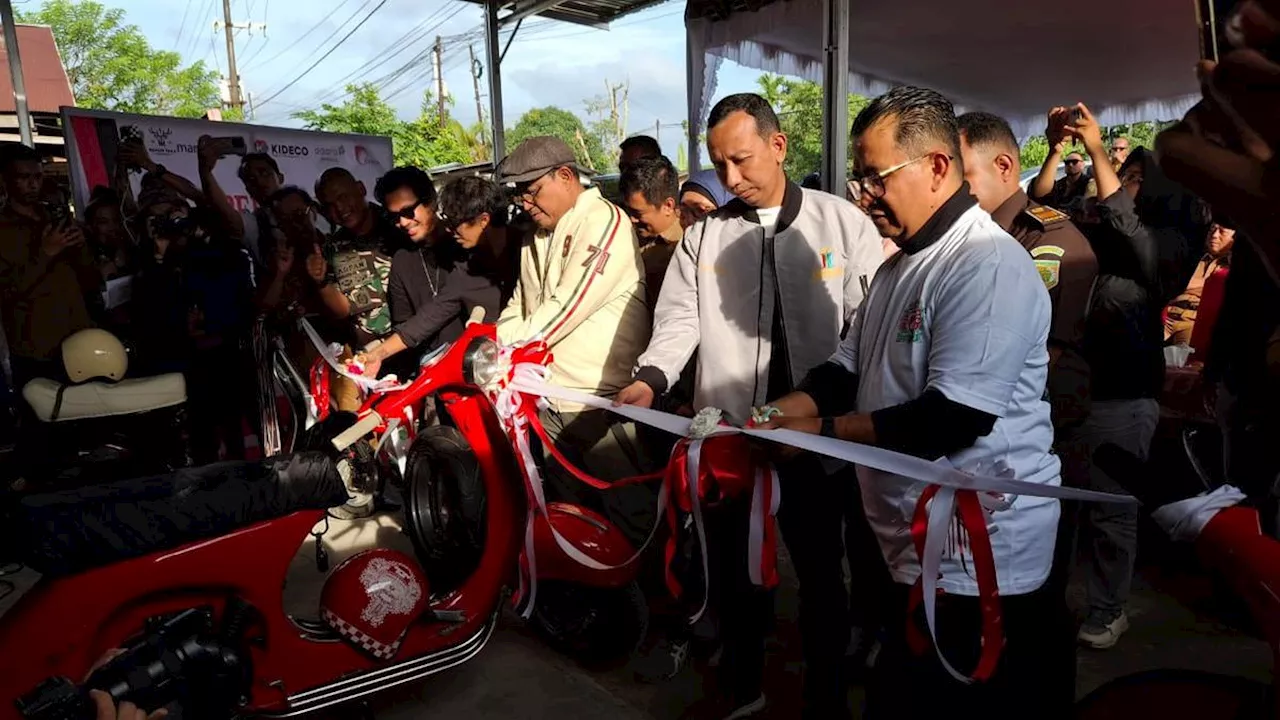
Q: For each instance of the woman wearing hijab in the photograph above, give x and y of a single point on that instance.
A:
(700, 195)
(1149, 237)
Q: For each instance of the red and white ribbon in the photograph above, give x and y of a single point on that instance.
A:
(947, 488)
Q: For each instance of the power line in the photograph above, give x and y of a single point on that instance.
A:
(195, 35)
(312, 29)
(182, 26)
(327, 54)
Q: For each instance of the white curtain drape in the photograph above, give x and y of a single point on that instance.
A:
(1128, 60)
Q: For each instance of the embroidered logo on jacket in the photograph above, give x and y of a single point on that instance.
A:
(911, 326)
(828, 265)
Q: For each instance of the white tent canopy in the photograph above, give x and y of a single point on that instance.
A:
(1128, 60)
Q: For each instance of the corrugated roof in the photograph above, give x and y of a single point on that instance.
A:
(721, 9)
(46, 80)
(582, 12)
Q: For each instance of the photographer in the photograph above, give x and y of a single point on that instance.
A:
(192, 305)
(48, 281)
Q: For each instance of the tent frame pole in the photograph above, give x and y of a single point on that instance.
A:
(15, 73)
(835, 95)
(493, 50)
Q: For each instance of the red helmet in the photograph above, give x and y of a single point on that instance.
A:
(372, 598)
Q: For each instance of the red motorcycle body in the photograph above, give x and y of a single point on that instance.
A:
(65, 624)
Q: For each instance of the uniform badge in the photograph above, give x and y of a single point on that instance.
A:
(911, 326)
(1046, 216)
(1049, 272)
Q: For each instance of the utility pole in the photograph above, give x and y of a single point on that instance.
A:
(233, 76)
(15, 75)
(657, 129)
(476, 69)
(439, 61)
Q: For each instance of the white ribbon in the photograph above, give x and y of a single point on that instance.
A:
(330, 354)
(888, 461)
(1184, 520)
(941, 511)
(507, 402)
(693, 460)
(755, 536)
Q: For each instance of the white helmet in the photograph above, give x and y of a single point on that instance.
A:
(94, 353)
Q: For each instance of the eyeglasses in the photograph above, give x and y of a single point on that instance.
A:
(407, 212)
(1073, 161)
(529, 194)
(872, 185)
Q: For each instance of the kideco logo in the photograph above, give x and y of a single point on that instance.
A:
(284, 150)
(260, 146)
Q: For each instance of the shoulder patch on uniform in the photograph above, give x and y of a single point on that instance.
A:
(1049, 270)
(1054, 250)
(1046, 215)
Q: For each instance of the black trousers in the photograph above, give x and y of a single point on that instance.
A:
(1029, 681)
(821, 519)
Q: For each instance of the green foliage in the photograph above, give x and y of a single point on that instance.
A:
(1035, 149)
(799, 107)
(564, 125)
(424, 142)
(112, 66)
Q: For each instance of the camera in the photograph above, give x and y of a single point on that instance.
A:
(179, 659)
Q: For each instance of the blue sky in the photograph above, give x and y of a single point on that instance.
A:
(550, 63)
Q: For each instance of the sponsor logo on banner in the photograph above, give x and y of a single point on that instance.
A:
(164, 144)
(260, 146)
(285, 150)
(330, 151)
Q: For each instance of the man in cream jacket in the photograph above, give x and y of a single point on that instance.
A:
(766, 286)
(581, 291)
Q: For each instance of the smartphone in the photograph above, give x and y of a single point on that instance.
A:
(1212, 17)
(59, 215)
(234, 145)
(130, 133)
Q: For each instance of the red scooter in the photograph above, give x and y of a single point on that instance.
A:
(185, 571)
(595, 615)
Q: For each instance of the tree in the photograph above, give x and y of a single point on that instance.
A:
(564, 125)
(799, 107)
(423, 142)
(612, 111)
(112, 66)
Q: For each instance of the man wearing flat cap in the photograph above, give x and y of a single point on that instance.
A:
(581, 290)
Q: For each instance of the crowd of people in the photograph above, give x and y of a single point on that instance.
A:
(938, 311)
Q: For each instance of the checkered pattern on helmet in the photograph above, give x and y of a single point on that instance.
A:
(377, 649)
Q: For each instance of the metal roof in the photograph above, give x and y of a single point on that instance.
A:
(596, 13)
(47, 85)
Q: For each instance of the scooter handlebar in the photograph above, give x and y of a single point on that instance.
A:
(363, 426)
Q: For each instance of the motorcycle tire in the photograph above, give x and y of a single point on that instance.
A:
(597, 627)
(361, 455)
(445, 506)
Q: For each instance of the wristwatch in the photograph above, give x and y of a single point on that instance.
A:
(828, 427)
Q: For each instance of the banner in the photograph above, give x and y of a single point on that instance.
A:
(93, 138)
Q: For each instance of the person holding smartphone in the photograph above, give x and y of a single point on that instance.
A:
(47, 274)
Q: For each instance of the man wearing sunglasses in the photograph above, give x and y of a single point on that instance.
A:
(581, 291)
(947, 359)
(432, 289)
(765, 285)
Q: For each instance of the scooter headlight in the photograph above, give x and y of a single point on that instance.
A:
(482, 363)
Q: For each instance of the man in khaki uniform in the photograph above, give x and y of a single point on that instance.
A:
(581, 291)
(1062, 255)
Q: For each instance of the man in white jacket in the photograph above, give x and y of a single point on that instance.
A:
(766, 285)
(581, 291)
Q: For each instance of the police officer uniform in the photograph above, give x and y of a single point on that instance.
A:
(1068, 267)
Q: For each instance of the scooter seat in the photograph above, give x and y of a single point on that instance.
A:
(100, 399)
(70, 531)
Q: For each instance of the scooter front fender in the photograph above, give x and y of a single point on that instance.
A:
(593, 535)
